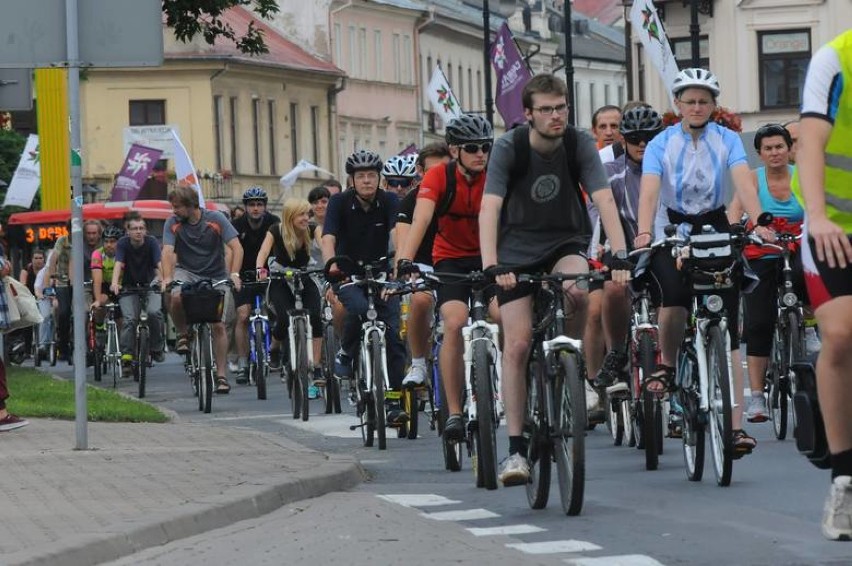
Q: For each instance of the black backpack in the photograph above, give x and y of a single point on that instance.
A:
(521, 142)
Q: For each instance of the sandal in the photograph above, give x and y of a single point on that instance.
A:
(661, 381)
(742, 443)
(222, 386)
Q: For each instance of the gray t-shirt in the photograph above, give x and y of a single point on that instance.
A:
(200, 247)
(542, 213)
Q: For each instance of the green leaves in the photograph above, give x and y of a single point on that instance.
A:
(190, 18)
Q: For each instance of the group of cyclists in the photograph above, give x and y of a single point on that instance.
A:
(542, 198)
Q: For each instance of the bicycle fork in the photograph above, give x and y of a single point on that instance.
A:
(490, 335)
(701, 354)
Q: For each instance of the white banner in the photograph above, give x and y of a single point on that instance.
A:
(442, 98)
(303, 166)
(157, 137)
(184, 169)
(648, 27)
(27, 179)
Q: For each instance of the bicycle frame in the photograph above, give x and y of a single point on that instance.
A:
(258, 314)
(701, 325)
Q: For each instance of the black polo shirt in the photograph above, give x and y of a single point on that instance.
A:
(251, 239)
(363, 235)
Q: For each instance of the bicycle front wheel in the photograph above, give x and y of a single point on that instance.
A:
(332, 385)
(485, 436)
(303, 372)
(569, 423)
(259, 367)
(141, 361)
(378, 367)
(777, 379)
(721, 433)
(537, 438)
(205, 387)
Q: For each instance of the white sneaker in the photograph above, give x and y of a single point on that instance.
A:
(812, 342)
(592, 398)
(514, 470)
(756, 411)
(416, 375)
(837, 514)
(232, 366)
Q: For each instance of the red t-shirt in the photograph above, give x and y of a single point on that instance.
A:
(458, 229)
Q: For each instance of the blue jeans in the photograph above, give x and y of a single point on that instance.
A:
(354, 299)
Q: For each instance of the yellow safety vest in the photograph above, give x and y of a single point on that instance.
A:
(838, 151)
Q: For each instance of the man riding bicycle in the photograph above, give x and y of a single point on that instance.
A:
(534, 219)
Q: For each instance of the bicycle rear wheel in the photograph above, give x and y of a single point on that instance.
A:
(537, 437)
(377, 363)
(721, 433)
(614, 422)
(411, 405)
(332, 385)
(207, 377)
(569, 415)
(259, 366)
(141, 358)
(303, 372)
(485, 435)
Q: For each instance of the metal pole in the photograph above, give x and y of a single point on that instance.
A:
(569, 61)
(694, 31)
(77, 244)
(486, 52)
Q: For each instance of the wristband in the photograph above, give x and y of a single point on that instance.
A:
(643, 234)
(235, 274)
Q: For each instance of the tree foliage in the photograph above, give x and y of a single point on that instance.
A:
(190, 18)
(11, 145)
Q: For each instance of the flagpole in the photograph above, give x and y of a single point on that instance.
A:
(569, 60)
(486, 41)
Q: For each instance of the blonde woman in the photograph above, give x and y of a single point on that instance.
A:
(288, 243)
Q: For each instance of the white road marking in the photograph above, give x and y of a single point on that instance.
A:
(269, 416)
(328, 425)
(505, 530)
(554, 546)
(418, 499)
(623, 560)
(463, 515)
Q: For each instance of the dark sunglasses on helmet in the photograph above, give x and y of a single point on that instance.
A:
(474, 147)
(637, 137)
(395, 183)
(771, 130)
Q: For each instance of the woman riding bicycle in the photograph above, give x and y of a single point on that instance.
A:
(773, 143)
(288, 244)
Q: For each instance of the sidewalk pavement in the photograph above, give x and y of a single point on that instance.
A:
(143, 485)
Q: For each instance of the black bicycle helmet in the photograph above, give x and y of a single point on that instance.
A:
(255, 194)
(363, 160)
(113, 232)
(468, 128)
(641, 118)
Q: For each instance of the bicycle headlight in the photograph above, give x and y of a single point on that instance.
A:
(790, 299)
(714, 303)
(372, 314)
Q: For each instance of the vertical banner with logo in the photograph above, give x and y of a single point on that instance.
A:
(185, 170)
(648, 27)
(512, 76)
(138, 164)
(441, 96)
(27, 177)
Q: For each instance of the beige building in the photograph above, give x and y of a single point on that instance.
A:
(244, 120)
(759, 49)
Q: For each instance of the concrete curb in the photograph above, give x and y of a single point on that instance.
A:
(247, 501)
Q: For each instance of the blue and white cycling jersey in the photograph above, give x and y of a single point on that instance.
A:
(694, 178)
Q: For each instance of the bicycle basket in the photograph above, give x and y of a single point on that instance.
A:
(203, 305)
(711, 262)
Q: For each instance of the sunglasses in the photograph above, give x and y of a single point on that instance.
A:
(474, 147)
(399, 183)
(635, 138)
(771, 130)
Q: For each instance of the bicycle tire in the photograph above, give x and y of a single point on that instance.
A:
(777, 397)
(332, 385)
(36, 347)
(719, 386)
(486, 433)
(693, 442)
(207, 376)
(378, 366)
(650, 439)
(98, 368)
(627, 422)
(411, 405)
(52, 354)
(141, 363)
(259, 366)
(293, 389)
(303, 372)
(452, 450)
(569, 413)
(537, 438)
(614, 423)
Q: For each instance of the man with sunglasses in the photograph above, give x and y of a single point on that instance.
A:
(638, 127)
(399, 173)
(533, 219)
(456, 247)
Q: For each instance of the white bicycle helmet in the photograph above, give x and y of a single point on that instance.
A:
(696, 78)
(400, 166)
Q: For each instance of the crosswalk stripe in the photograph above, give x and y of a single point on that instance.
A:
(418, 499)
(462, 515)
(623, 560)
(505, 530)
(554, 546)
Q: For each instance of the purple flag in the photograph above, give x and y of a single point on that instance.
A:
(138, 165)
(410, 150)
(512, 77)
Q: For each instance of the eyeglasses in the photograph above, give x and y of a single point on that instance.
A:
(396, 183)
(548, 110)
(474, 147)
(639, 136)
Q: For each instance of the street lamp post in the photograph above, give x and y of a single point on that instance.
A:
(505, 8)
(694, 34)
(569, 59)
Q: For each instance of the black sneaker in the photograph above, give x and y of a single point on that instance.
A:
(395, 415)
(275, 360)
(612, 369)
(242, 375)
(454, 428)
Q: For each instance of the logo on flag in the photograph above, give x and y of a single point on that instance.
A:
(512, 76)
(442, 98)
(650, 31)
(134, 173)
